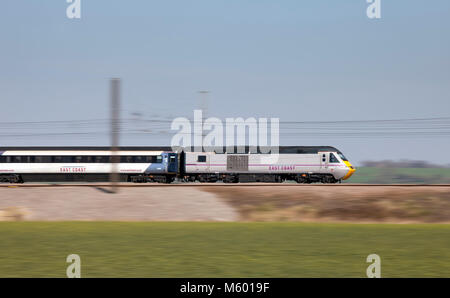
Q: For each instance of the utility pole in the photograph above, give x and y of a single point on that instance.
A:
(204, 103)
(204, 108)
(115, 128)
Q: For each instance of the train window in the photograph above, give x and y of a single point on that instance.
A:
(333, 158)
(342, 156)
(152, 159)
(42, 159)
(2, 159)
(101, 159)
(201, 158)
(67, 159)
(126, 159)
(139, 159)
(86, 159)
(17, 159)
(172, 159)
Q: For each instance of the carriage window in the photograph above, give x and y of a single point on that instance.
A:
(126, 159)
(151, 159)
(67, 159)
(139, 159)
(87, 159)
(42, 159)
(333, 158)
(17, 159)
(62, 159)
(172, 158)
(101, 159)
(201, 158)
(342, 156)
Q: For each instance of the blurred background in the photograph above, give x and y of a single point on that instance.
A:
(375, 89)
(379, 90)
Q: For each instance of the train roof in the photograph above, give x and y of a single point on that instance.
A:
(268, 149)
(265, 149)
(85, 148)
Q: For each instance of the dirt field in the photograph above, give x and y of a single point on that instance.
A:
(358, 204)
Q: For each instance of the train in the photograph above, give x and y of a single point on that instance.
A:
(301, 164)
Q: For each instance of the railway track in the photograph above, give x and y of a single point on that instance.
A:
(215, 185)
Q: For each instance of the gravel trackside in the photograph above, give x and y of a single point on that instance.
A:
(130, 204)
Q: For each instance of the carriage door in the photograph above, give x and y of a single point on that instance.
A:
(324, 159)
(173, 163)
(237, 163)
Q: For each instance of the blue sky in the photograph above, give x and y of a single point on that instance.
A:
(296, 60)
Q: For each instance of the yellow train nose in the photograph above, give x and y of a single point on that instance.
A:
(350, 172)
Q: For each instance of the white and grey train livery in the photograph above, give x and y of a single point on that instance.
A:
(302, 164)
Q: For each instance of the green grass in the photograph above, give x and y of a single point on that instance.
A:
(400, 175)
(138, 249)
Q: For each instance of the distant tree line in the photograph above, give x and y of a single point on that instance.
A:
(401, 164)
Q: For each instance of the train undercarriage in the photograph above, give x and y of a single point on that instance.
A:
(268, 178)
(201, 177)
(21, 178)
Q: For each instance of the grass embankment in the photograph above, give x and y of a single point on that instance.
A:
(118, 249)
(368, 175)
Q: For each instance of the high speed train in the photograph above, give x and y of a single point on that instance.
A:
(312, 164)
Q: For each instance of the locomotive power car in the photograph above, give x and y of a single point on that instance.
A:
(323, 164)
